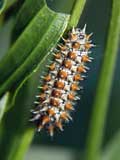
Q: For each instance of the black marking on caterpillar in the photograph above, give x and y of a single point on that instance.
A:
(55, 103)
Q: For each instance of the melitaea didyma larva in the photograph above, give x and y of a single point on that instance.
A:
(55, 102)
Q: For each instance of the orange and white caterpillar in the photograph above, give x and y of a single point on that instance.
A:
(54, 103)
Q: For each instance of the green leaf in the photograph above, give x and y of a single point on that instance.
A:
(112, 150)
(40, 35)
(29, 10)
(3, 104)
(2, 5)
(100, 107)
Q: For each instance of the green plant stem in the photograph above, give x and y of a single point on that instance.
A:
(76, 12)
(100, 106)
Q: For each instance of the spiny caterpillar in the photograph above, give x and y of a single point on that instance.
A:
(55, 103)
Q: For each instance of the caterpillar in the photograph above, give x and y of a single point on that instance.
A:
(55, 102)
